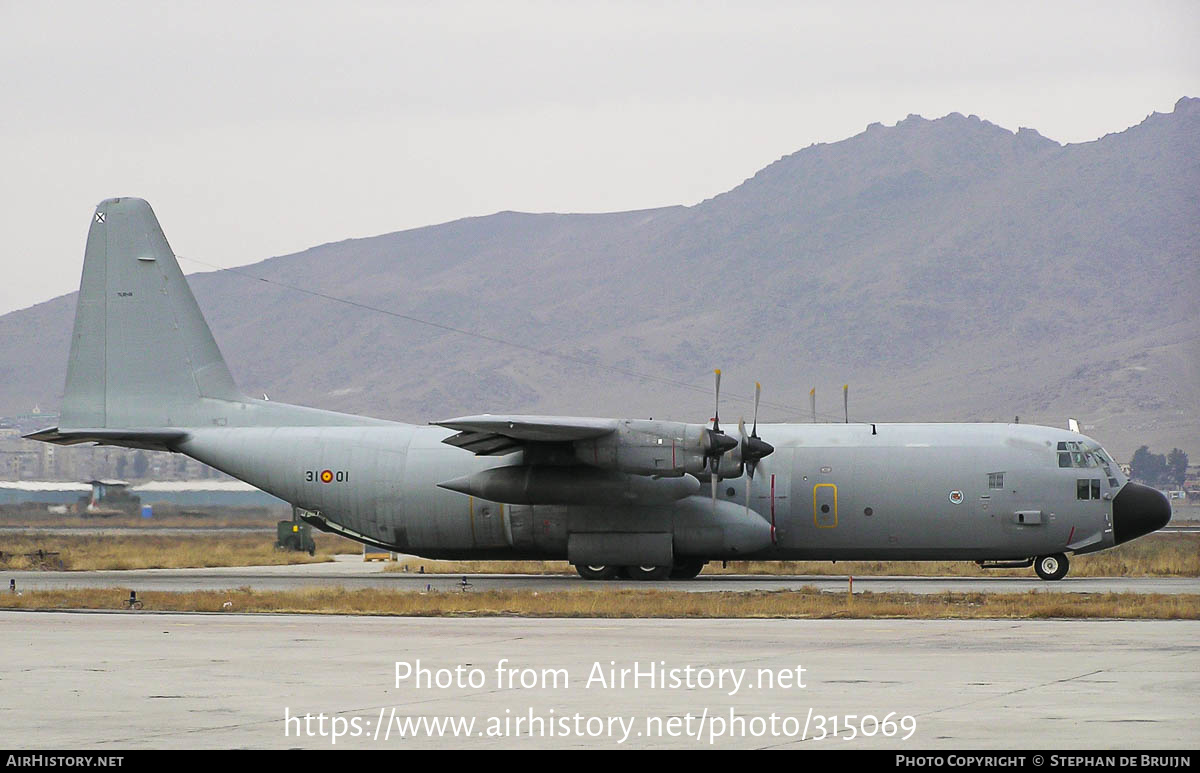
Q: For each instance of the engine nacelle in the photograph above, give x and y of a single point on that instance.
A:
(575, 485)
(660, 448)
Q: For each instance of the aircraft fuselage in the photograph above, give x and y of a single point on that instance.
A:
(829, 492)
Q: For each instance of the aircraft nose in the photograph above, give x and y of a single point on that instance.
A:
(1138, 510)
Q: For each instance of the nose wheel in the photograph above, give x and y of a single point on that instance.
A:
(1052, 567)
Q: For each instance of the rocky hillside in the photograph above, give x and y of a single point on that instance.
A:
(948, 269)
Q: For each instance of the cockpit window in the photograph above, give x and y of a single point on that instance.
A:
(1072, 453)
(1082, 454)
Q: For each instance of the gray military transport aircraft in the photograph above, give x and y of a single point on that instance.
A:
(611, 496)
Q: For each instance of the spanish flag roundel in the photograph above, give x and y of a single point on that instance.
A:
(326, 476)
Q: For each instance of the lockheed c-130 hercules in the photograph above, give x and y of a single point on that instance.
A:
(611, 496)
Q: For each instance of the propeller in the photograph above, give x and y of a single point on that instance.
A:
(716, 442)
(754, 448)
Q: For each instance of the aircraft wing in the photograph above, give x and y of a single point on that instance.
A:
(488, 435)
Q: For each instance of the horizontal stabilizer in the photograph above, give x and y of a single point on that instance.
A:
(149, 439)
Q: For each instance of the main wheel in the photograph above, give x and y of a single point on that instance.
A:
(1052, 567)
(648, 572)
(597, 571)
(687, 570)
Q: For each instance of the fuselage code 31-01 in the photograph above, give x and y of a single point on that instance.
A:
(327, 476)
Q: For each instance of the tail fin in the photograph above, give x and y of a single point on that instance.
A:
(141, 352)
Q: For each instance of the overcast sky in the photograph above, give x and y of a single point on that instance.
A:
(258, 129)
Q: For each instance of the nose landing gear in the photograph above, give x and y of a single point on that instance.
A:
(1053, 567)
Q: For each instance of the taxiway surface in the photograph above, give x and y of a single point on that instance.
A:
(123, 680)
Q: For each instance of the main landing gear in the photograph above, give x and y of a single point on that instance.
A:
(598, 571)
(684, 570)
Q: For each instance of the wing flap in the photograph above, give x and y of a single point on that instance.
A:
(484, 443)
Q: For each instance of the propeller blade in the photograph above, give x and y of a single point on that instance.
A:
(757, 394)
(717, 407)
(747, 462)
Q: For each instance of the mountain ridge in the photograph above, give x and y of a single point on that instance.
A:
(950, 268)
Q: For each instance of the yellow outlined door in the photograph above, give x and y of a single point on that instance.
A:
(825, 506)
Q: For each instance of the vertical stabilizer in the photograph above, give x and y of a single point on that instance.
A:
(141, 352)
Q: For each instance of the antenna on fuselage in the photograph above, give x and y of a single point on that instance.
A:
(812, 402)
(846, 401)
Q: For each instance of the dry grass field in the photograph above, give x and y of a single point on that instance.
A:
(1157, 555)
(803, 603)
(165, 516)
(155, 551)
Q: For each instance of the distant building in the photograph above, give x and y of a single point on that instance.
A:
(184, 493)
(22, 459)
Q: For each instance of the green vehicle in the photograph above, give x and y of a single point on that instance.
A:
(294, 535)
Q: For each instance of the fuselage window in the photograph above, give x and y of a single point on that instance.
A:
(995, 480)
(1095, 489)
(1087, 489)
